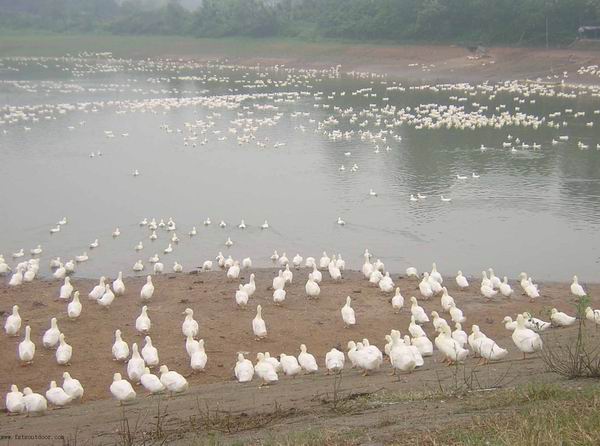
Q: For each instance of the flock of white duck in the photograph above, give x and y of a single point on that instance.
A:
(406, 353)
(470, 107)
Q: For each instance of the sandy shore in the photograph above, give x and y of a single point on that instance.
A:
(227, 330)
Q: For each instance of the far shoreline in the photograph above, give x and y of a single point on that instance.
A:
(434, 62)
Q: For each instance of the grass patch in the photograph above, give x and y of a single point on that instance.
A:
(543, 415)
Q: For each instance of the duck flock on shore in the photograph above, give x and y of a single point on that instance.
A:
(405, 353)
(376, 123)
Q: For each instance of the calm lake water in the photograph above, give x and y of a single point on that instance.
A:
(531, 209)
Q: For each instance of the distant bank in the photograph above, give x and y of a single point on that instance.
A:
(411, 62)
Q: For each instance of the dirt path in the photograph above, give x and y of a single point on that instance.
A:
(227, 330)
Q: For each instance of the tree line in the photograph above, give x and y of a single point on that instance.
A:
(513, 22)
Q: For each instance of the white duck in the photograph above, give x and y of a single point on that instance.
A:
(324, 261)
(526, 339)
(415, 329)
(147, 290)
(487, 290)
(401, 357)
(158, 268)
(107, 298)
(13, 322)
(367, 268)
(494, 279)
(535, 324)
(376, 277)
(138, 266)
(446, 300)
(411, 271)
(143, 322)
(462, 281)
(34, 402)
(234, 271)
(532, 290)
(435, 275)
(312, 288)
(190, 326)
(451, 349)
(120, 349)
(274, 361)
(437, 321)
(307, 361)
(297, 261)
(74, 307)
(386, 284)
(592, 315)
(334, 361)
(456, 314)
(57, 396)
(369, 357)
(490, 351)
(27, 347)
(397, 301)
(121, 389)
(279, 281)
(283, 260)
(135, 365)
(279, 296)
(509, 324)
(288, 275)
(334, 271)
(17, 278)
(198, 359)
(98, 290)
(353, 354)
(60, 273)
(64, 352)
(459, 335)
(72, 386)
(151, 382)
(560, 319)
(15, 402)
(317, 276)
(118, 285)
(425, 287)
(289, 365)
(265, 370)
(52, 335)
(259, 327)
(150, 353)
(505, 288)
(576, 289)
(348, 315)
(241, 297)
(244, 369)
(66, 290)
(418, 312)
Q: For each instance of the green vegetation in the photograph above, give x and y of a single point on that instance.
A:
(462, 21)
(546, 414)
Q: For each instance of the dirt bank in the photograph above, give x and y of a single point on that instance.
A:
(227, 330)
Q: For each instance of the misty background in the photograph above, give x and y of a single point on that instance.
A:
(514, 22)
